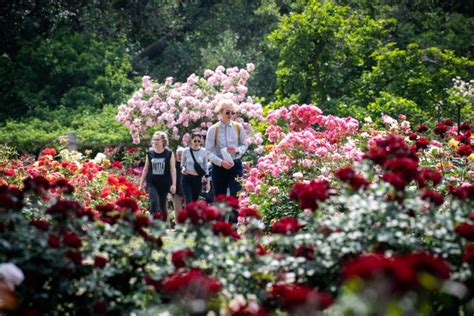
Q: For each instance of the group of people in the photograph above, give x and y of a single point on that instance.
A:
(183, 174)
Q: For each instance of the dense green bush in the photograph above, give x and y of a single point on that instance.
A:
(68, 69)
(95, 129)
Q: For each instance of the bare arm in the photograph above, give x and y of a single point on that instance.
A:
(173, 173)
(144, 173)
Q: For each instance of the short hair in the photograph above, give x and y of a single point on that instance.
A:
(163, 136)
(223, 103)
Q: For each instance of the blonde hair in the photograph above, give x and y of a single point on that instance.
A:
(222, 103)
(163, 136)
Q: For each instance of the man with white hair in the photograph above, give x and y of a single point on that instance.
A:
(226, 142)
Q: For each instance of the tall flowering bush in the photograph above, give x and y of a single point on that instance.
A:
(189, 106)
(302, 144)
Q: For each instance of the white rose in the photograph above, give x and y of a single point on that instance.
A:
(11, 274)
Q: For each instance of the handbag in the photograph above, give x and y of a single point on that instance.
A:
(197, 166)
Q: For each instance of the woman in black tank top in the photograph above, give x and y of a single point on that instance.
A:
(159, 174)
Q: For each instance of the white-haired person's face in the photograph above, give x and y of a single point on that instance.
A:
(228, 112)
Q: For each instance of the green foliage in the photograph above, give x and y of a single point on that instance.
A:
(348, 61)
(95, 129)
(421, 76)
(67, 69)
(322, 52)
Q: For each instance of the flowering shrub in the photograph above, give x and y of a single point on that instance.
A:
(189, 106)
(396, 222)
(74, 262)
(302, 144)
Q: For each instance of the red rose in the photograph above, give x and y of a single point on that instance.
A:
(100, 262)
(440, 129)
(229, 199)
(421, 128)
(469, 253)
(305, 251)
(38, 185)
(422, 143)
(464, 150)
(75, 257)
(71, 239)
(463, 192)
(395, 180)
(49, 151)
(179, 257)
(465, 230)
(127, 204)
(53, 241)
(293, 296)
(412, 136)
(432, 196)
(64, 207)
(142, 220)
(40, 224)
(286, 225)
(224, 229)
(193, 282)
(249, 212)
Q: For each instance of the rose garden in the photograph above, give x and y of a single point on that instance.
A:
(336, 216)
(339, 214)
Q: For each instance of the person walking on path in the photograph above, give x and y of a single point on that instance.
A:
(159, 174)
(194, 168)
(178, 196)
(226, 142)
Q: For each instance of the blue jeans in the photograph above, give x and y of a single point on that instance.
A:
(223, 179)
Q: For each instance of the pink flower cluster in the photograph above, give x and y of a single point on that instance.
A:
(302, 138)
(189, 106)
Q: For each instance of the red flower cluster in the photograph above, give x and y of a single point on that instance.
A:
(224, 229)
(440, 129)
(65, 208)
(421, 128)
(392, 146)
(230, 200)
(305, 251)
(38, 185)
(10, 198)
(193, 282)
(199, 212)
(286, 225)
(100, 262)
(469, 254)
(422, 143)
(463, 192)
(434, 197)
(294, 296)
(249, 212)
(348, 175)
(72, 239)
(49, 151)
(465, 230)
(427, 174)
(308, 194)
(402, 271)
(179, 257)
(250, 310)
(40, 224)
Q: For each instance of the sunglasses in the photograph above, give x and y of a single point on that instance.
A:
(229, 112)
(197, 141)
